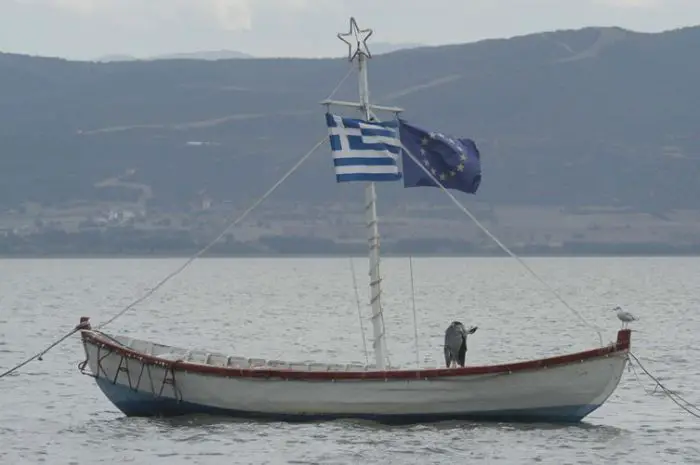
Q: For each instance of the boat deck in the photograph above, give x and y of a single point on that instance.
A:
(217, 359)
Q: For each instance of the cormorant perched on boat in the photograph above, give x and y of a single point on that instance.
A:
(456, 343)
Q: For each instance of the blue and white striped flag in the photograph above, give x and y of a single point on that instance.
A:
(363, 150)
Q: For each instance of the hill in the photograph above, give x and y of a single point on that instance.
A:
(378, 48)
(567, 121)
(203, 55)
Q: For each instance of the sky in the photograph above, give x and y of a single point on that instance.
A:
(88, 29)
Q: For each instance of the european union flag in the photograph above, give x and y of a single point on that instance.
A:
(455, 162)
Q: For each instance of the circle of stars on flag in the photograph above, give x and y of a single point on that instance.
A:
(442, 175)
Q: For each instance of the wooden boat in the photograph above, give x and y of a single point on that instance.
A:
(144, 378)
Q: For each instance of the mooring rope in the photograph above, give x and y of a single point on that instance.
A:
(40, 354)
(686, 405)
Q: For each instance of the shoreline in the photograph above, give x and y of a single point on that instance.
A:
(183, 255)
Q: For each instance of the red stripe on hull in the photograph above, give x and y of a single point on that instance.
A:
(622, 345)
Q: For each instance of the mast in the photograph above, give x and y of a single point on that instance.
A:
(372, 236)
(356, 40)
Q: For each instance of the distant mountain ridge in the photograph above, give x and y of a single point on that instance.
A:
(596, 116)
(378, 48)
(202, 55)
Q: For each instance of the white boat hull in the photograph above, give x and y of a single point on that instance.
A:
(560, 389)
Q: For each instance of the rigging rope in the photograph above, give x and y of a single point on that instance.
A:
(161, 283)
(182, 267)
(335, 90)
(503, 246)
(387, 354)
(232, 224)
(235, 222)
(359, 310)
(415, 317)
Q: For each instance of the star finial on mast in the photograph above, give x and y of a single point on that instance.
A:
(356, 39)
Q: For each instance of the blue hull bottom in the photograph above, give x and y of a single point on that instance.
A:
(138, 404)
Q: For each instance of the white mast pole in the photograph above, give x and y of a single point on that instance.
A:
(372, 233)
(358, 51)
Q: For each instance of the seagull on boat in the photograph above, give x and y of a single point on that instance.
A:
(624, 317)
(456, 343)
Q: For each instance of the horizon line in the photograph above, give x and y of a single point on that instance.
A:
(248, 56)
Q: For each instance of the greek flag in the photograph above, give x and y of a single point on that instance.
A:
(364, 150)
